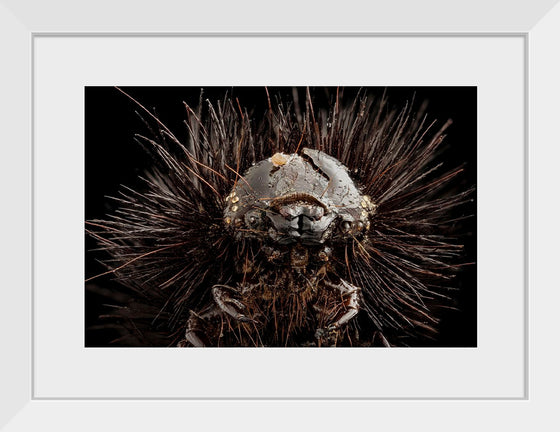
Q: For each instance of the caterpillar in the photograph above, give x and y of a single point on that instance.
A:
(318, 217)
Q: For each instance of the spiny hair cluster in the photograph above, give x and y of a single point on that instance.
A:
(167, 244)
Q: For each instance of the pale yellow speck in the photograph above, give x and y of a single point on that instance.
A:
(235, 199)
(368, 204)
(279, 159)
(234, 208)
(228, 220)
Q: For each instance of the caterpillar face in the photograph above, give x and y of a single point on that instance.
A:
(306, 198)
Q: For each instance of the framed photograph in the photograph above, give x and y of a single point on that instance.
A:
(71, 330)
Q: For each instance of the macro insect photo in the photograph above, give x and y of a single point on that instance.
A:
(280, 217)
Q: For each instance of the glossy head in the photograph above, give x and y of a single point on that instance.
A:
(306, 198)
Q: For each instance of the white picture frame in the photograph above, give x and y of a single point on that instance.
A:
(537, 24)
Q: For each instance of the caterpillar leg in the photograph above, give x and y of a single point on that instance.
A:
(227, 299)
(195, 333)
(350, 295)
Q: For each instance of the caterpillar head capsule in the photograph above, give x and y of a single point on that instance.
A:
(306, 198)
